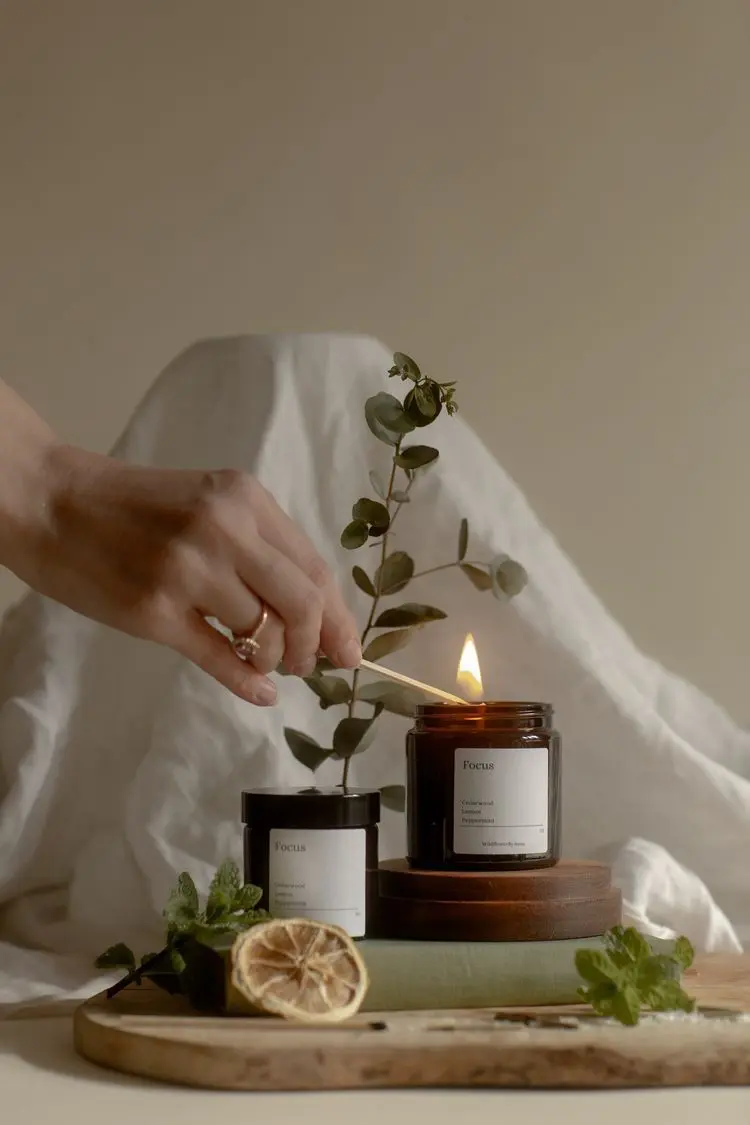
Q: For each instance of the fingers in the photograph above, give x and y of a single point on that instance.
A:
(299, 604)
(338, 637)
(270, 640)
(201, 643)
(240, 610)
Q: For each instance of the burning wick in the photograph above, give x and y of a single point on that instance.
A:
(469, 675)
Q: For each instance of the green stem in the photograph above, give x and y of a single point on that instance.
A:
(375, 601)
(446, 566)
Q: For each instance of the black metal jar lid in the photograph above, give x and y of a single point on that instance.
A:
(310, 808)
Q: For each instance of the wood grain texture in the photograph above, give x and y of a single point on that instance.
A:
(571, 900)
(144, 1032)
(567, 879)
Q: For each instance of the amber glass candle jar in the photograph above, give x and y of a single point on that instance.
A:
(483, 787)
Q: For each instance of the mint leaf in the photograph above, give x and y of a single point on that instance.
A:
(595, 966)
(627, 977)
(626, 1006)
(182, 905)
(635, 945)
(248, 897)
(224, 886)
(683, 953)
(655, 969)
(669, 996)
(178, 962)
(230, 910)
(600, 997)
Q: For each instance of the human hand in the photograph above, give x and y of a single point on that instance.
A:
(154, 552)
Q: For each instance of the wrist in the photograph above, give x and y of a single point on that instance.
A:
(34, 475)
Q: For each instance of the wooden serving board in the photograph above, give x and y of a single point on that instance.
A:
(145, 1032)
(574, 899)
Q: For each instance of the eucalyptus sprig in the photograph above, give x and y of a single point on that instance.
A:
(230, 909)
(627, 977)
(392, 420)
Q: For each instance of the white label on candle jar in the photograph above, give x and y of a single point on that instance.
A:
(319, 874)
(500, 801)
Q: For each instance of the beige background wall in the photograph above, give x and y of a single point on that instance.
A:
(548, 199)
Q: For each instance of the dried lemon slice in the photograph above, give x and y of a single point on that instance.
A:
(306, 971)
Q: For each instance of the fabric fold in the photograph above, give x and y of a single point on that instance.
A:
(121, 764)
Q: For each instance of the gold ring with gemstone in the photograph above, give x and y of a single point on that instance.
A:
(246, 644)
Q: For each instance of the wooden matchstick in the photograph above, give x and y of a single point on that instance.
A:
(427, 689)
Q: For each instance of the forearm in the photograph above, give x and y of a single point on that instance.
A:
(27, 446)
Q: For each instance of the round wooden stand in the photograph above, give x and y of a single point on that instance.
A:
(572, 900)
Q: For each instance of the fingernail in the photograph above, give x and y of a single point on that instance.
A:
(350, 654)
(265, 693)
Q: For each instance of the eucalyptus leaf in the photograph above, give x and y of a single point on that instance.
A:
(353, 735)
(394, 574)
(385, 416)
(372, 512)
(463, 540)
(119, 956)
(396, 700)
(388, 642)
(363, 581)
(390, 414)
(416, 456)
(377, 484)
(422, 404)
(405, 366)
(354, 535)
(508, 578)
(479, 578)
(400, 497)
(393, 797)
(305, 749)
(410, 613)
(331, 690)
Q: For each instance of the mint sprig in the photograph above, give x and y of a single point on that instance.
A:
(627, 977)
(231, 908)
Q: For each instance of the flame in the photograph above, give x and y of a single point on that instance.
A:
(469, 676)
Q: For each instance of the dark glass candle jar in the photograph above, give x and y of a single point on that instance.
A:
(314, 852)
(483, 787)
